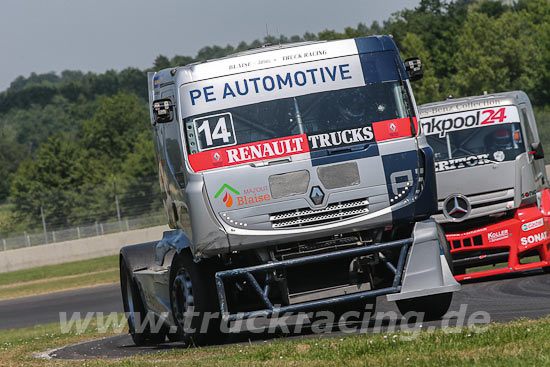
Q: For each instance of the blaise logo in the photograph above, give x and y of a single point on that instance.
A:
(393, 127)
(227, 198)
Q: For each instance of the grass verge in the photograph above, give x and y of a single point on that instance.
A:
(53, 278)
(523, 342)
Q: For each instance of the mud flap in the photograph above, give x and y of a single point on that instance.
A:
(426, 271)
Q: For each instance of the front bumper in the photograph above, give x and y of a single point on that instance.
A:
(421, 270)
(508, 241)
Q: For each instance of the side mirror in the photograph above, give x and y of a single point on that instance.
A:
(413, 67)
(536, 150)
(163, 111)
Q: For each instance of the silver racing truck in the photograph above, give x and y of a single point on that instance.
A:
(295, 179)
(492, 187)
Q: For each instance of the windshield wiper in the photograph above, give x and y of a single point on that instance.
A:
(298, 116)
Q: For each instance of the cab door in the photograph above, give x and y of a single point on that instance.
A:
(536, 167)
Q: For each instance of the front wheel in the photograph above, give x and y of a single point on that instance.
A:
(433, 307)
(194, 301)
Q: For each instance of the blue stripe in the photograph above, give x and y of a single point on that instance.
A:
(375, 44)
(379, 58)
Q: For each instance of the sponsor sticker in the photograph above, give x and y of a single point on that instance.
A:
(246, 196)
(269, 84)
(532, 225)
(465, 234)
(215, 131)
(441, 125)
(341, 138)
(464, 162)
(379, 131)
(498, 235)
(534, 238)
(226, 190)
(261, 150)
(392, 129)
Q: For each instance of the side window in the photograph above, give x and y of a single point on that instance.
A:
(529, 136)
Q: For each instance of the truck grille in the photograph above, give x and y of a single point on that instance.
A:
(332, 213)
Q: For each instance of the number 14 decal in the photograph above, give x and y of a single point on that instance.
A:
(215, 131)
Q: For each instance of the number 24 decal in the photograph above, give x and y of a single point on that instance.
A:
(215, 131)
(494, 116)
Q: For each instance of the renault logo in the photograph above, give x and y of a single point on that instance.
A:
(456, 207)
(317, 195)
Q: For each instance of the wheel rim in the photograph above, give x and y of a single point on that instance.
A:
(182, 294)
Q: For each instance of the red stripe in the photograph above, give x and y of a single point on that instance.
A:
(245, 153)
(392, 129)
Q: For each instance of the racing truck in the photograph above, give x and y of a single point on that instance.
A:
(492, 188)
(294, 178)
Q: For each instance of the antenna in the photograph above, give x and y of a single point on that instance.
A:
(266, 31)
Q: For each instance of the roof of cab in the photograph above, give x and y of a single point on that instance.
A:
(197, 71)
(364, 44)
(472, 103)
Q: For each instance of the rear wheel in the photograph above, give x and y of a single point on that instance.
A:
(194, 300)
(433, 307)
(138, 324)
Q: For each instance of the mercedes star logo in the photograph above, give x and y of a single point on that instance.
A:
(456, 207)
(317, 195)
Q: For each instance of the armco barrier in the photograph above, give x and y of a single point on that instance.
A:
(82, 249)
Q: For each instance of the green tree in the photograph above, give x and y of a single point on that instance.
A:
(496, 54)
(111, 133)
(42, 181)
(12, 155)
(426, 89)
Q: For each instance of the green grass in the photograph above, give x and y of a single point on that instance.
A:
(59, 284)
(59, 277)
(519, 343)
(61, 270)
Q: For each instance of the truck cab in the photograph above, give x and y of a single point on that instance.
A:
(491, 182)
(297, 175)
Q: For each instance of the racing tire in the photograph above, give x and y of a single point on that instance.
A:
(433, 307)
(192, 289)
(135, 311)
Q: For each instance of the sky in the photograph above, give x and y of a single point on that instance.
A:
(55, 35)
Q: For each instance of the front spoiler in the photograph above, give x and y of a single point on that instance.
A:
(503, 243)
(420, 271)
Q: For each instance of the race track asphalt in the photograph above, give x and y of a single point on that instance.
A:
(46, 308)
(505, 298)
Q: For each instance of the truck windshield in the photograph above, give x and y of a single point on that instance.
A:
(476, 146)
(315, 113)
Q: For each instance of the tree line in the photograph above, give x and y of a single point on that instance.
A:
(68, 141)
